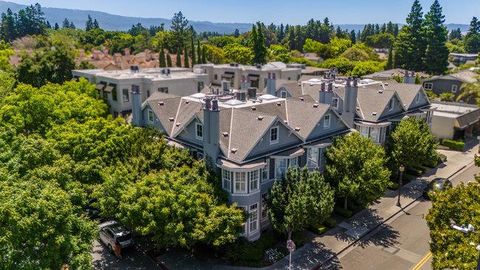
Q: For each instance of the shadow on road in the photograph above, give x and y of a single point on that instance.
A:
(132, 259)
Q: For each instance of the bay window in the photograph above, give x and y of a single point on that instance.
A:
(312, 158)
(227, 180)
(240, 182)
(253, 220)
(282, 164)
(253, 178)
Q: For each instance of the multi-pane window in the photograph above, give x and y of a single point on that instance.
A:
(274, 135)
(240, 182)
(454, 88)
(114, 92)
(335, 103)
(253, 217)
(254, 177)
(126, 95)
(312, 158)
(199, 131)
(326, 121)
(282, 164)
(375, 135)
(227, 180)
(428, 86)
(264, 206)
(265, 172)
(151, 116)
(283, 94)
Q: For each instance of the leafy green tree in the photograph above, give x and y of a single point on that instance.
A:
(381, 40)
(177, 208)
(455, 34)
(412, 143)
(300, 200)
(353, 37)
(50, 64)
(409, 46)
(8, 30)
(356, 169)
(41, 228)
(204, 55)
(367, 67)
(213, 54)
(451, 248)
(447, 96)
(89, 23)
(436, 53)
(239, 54)
(199, 53)
(470, 93)
(472, 43)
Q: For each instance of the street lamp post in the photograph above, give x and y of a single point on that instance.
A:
(400, 184)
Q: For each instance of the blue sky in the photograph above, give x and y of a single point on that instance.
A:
(277, 11)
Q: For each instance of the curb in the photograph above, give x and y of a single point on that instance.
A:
(402, 208)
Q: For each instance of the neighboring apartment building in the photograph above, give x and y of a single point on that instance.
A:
(255, 76)
(251, 139)
(115, 85)
(379, 105)
(450, 83)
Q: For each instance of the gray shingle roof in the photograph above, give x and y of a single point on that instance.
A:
(465, 76)
(407, 94)
(372, 102)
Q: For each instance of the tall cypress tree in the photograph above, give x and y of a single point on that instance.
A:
(89, 24)
(194, 58)
(436, 52)
(199, 52)
(169, 60)
(390, 64)
(258, 42)
(409, 46)
(204, 56)
(179, 57)
(185, 58)
(161, 57)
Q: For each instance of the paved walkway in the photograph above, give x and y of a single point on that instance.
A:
(326, 247)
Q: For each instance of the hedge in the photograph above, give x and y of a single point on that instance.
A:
(454, 145)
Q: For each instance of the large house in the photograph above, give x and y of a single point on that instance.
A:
(115, 85)
(379, 106)
(450, 83)
(251, 139)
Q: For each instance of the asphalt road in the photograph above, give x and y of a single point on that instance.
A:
(402, 244)
(103, 259)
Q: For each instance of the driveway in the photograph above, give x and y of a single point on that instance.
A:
(103, 259)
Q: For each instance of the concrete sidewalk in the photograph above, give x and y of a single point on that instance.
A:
(326, 247)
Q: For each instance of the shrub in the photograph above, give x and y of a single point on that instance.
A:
(454, 145)
(331, 222)
(343, 212)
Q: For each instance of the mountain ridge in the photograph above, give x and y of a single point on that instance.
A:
(110, 21)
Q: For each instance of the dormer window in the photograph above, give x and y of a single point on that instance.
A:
(283, 94)
(391, 104)
(274, 135)
(199, 131)
(326, 121)
(335, 103)
(151, 116)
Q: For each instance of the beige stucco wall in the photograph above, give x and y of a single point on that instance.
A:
(443, 127)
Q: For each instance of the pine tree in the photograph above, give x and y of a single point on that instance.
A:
(199, 52)
(169, 60)
(179, 57)
(8, 26)
(161, 57)
(66, 23)
(72, 26)
(95, 24)
(194, 58)
(259, 48)
(353, 37)
(56, 27)
(436, 53)
(390, 63)
(89, 24)
(236, 33)
(474, 27)
(409, 46)
(185, 58)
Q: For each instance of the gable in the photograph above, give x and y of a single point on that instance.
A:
(397, 107)
(320, 130)
(421, 101)
(286, 138)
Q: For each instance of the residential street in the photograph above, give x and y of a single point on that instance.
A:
(103, 259)
(402, 244)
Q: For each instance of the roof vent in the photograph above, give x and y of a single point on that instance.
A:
(374, 113)
(297, 129)
(161, 103)
(171, 119)
(380, 91)
(187, 101)
(234, 150)
(386, 84)
(178, 124)
(315, 105)
(225, 134)
(285, 121)
(260, 117)
(254, 108)
(279, 104)
(302, 99)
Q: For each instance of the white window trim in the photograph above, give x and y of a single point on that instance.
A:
(150, 113)
(278, 130)
(235, 183)
(337, 102)
(428, 86)
(250, 221)
(454, 86)
(326, 124)
(227, 179)
(197, 125)
(250, 178)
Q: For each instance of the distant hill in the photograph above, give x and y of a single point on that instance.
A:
(116, 22)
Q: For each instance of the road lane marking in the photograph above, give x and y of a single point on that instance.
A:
(422, 262)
